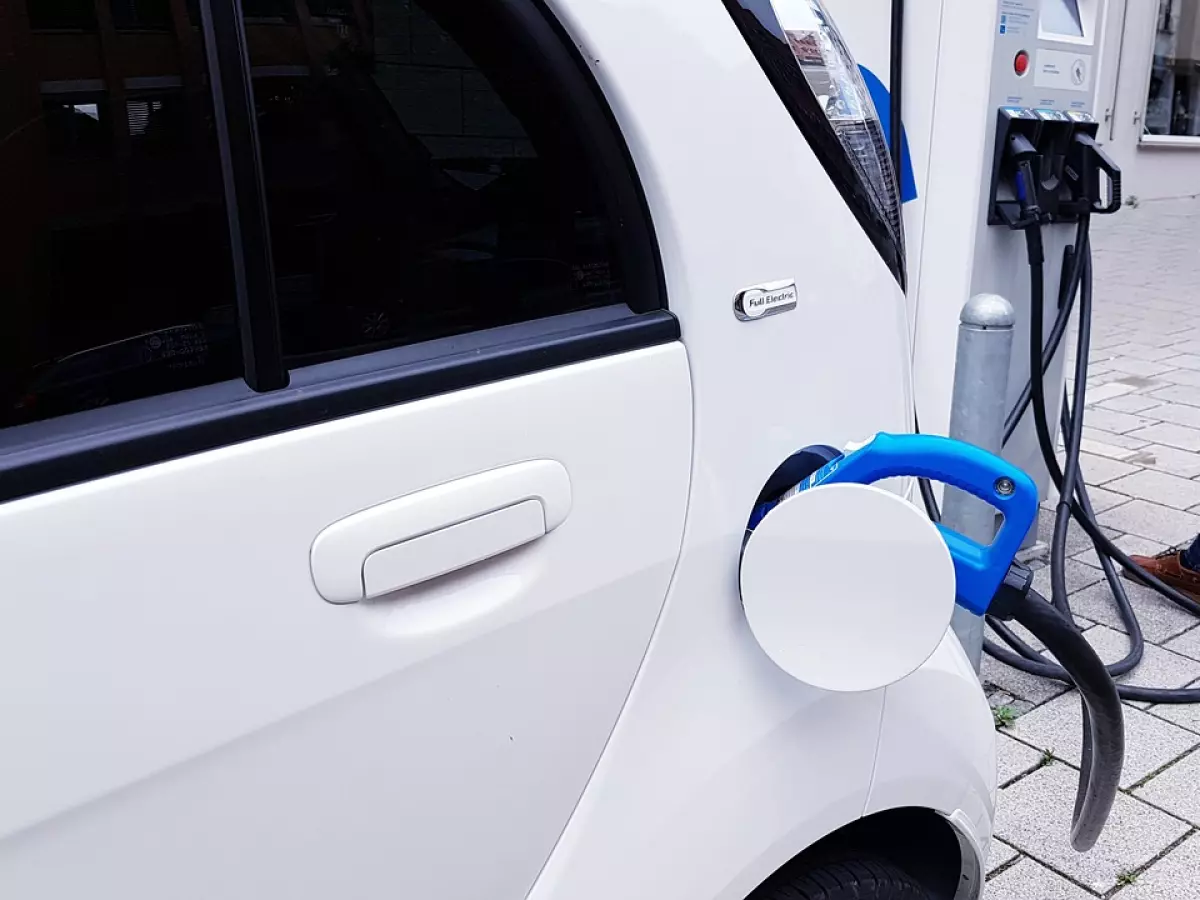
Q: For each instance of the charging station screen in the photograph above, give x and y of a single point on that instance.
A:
(1062, 17)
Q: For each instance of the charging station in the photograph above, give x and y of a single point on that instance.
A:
(972, 75)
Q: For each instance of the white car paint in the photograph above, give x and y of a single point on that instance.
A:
(186, 717)
(699, 790)
(588, 716)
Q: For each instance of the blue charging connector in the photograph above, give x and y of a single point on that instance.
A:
(979, 569)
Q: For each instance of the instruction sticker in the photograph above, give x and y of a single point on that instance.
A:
(1063, 70)
(1015, 16)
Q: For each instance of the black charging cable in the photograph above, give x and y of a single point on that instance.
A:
(1103, 746)
(1103, 753)
(1073, 499)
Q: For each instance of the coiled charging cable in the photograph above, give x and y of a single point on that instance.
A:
(1073, 496)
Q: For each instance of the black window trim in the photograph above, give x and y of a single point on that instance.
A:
(164, 428)
(245, 194)
(59, 452)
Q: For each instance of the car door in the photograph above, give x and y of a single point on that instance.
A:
(343, 594)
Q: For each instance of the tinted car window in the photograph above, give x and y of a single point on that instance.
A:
(115, 259)
(421, 173)
(421, 178)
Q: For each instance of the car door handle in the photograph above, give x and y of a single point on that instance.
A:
(435, 531)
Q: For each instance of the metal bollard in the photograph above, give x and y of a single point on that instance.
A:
(977, 409)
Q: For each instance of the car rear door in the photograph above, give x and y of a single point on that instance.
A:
(343, 599)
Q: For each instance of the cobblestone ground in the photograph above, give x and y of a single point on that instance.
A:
(1142, 459)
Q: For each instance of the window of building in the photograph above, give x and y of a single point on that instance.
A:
(1173, 101)
(76, 127)
(141, 15)
(115, 262)
(157, 124)
(71, 15)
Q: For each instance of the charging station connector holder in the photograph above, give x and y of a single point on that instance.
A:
(1066, 161)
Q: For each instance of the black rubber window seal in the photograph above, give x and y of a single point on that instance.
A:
(44, 456)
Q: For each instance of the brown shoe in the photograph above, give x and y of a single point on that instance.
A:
(1168, 568)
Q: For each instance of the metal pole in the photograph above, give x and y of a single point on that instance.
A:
(985, 338)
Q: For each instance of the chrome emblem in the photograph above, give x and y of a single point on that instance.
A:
(765, 300)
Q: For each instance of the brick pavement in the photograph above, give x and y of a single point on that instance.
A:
(1142, 459)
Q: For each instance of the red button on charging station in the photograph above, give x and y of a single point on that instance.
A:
(1021, 63)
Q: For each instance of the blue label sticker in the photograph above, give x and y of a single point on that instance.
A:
(1002, 29)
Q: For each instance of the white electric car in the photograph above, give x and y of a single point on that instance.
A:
(386, 388)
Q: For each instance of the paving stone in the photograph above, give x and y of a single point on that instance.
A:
(1027, 880)
(1031, 689)
(997, 696)
(1034, 816)
(1115, 422)
(1171, 878)
(1123, 441)
(1014, 758)
(1159, 618)
(1178, 413)
(1174, 393)
(1185, 715)
(1151, 520)
(1189, 377)
(999, 854)
(1016, 709)
(1100, 443)
(1178, 436)
(1158, 668)
(1159, 487)
(1146, 351)
(1150, 743)
(1078, 540)
(1168, 459)
(1077, 576)
(1098, 374)
(1188, 643)
(1174, 789)
(1025, 635)
(1191, 334)
(1133, 402)
(1103, 339)
(1184, 361)
(1101, 498)
(1141, 382)
(1139, 366)
(1098, 469)
(1107, 392)
(1132, 544)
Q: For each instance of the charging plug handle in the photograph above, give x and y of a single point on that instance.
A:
(1020, 148)
(1096, 158)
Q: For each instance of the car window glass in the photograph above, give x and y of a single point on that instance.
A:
(115, 258)
(422, 174)
(421, 178)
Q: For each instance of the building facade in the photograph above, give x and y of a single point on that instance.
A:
(1150, 96)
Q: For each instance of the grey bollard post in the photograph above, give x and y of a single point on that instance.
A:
(977, 410)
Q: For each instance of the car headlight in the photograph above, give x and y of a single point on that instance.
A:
(832, 107)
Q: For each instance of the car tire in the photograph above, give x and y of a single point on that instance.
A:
(850, 878)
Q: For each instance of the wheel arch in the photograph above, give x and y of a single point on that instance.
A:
(923, 843)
